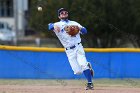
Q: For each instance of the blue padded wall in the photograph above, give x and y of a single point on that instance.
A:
(55, 65)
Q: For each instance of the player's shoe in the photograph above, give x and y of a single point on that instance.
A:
(91, 69)
(89, 86)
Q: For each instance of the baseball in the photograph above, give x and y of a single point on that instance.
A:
(39, 8)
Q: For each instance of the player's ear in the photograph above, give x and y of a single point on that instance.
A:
(59, 17)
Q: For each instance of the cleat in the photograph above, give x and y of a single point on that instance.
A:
(89, 86)
(91, 69)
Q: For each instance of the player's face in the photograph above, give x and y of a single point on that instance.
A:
(63, 15)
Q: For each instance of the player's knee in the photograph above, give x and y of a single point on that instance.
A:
(84, 67)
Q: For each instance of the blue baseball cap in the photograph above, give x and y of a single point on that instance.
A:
(61, 9)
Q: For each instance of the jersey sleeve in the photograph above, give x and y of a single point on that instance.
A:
(83, 29)
(56, 24)
(76, 23)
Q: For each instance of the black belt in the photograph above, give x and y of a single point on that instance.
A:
(72, 46)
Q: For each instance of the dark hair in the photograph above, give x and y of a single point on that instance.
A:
(61, 9)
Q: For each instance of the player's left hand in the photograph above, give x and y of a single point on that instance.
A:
(72, 30)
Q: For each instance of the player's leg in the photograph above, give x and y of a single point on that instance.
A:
(85, 66)
(73, 62)
(91, 69)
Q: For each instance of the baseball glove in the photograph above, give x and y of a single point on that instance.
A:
(72, 30)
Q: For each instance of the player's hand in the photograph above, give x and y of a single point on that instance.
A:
(56, 28)
(72, 30)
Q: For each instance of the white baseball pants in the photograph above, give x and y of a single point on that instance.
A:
(77, 59)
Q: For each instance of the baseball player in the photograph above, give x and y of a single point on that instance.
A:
(73, 46)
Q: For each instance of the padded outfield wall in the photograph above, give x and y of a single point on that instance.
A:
(52, 63)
